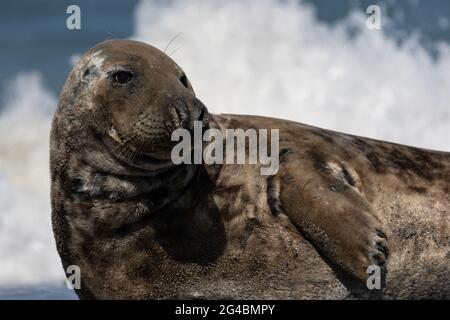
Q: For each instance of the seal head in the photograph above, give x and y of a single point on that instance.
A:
(131, 96)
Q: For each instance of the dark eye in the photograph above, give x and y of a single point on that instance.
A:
(183, 80)
(122, 77)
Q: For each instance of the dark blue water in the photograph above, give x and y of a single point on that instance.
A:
(33, 34)
(429, 19)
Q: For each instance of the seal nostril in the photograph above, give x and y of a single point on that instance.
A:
(199, 112)
(202, 115)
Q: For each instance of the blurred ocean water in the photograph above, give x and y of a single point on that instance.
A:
(310, 61)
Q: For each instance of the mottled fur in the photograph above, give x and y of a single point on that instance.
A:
(140, 227)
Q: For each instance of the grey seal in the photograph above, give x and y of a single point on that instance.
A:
(140, 227)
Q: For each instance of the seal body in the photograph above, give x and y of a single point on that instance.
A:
(140, 227)
(328, 178)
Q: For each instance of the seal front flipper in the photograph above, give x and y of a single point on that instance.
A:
(325, 204)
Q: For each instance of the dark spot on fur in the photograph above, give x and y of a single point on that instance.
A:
(418, 189)
(376, 163)
(424, 157)
(361, 145)
(318, 160)
(446, 189)
(419, 166)
(401, 160)
(76, 90)
(324, 135)
(251, 224)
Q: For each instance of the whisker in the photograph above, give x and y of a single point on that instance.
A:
(172, 40)
(174, 51)
(121, 144)
(122, 147)
(113, 35)
(130, 155)
(139, 147)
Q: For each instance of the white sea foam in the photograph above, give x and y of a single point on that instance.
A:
(274, 59)
(252, 57)
(27, 249)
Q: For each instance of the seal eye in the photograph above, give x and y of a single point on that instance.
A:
(122, 77)
(183, 80)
